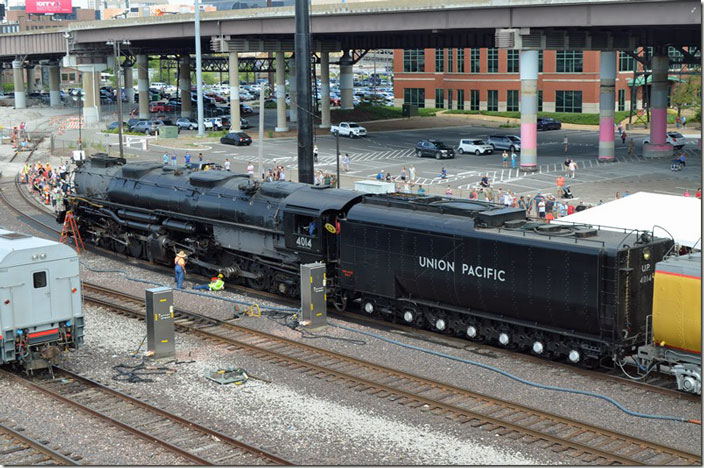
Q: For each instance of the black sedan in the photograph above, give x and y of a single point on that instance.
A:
(546, 123)
(236, 138)
(434, 148)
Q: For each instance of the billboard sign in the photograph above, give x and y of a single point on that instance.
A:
(48, 6)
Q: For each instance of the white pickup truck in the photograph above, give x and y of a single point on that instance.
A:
(349, 129)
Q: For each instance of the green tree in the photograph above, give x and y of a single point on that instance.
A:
(685, 94)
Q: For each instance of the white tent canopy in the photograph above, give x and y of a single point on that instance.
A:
(665, 215)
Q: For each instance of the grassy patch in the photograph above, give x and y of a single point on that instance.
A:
(116, 131)
(365, 112)
(218, 133)
(564, 117)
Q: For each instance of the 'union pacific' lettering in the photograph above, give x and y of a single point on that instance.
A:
(478, 271)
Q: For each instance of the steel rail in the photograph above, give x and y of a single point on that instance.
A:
(575, 428)
(57, 457)
(188, 425)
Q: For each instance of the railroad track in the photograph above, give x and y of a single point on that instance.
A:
(657, 383)
(194, 442)
(586, 443)
(19, 449)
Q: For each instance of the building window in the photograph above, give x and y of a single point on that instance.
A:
(625, 61)
(439, 98)
(460, 60)
(676, 58)
(512, 62)
(492, 60)
(568, 101)
(540, 61)
(449, 99)
(569, 61)
(460, 99)
(414, 96)
(512, 100)
(439, 60)
(492, 101)
(449, 60)
(414, 60)
(621, 99)
(72, 77)
(64, 77)
(473, 60)
(474, 99)
(540, 100)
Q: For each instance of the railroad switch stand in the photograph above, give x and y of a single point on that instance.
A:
(70, 229)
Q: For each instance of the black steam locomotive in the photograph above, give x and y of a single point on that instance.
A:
(460, 267)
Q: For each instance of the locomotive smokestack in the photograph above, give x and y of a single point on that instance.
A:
(303, 94)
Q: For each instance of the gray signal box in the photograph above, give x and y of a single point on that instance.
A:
(160, 322)
(313, 296)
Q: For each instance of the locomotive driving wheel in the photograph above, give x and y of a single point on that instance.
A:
(339, 300)
(260, 282)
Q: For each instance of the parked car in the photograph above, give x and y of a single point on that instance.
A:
(114, 125)
(188, 123)
(475, 146)
(348, 129)
(148, 127)
(508, 142)
(160, 106)
(244, 123)
(132, 122)
(676, 139)
(245, 109)
(434, 148)
(546, 123)
(236, 138)
(215, 121)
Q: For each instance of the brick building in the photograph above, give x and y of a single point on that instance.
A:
(33, 21)
(488, 79)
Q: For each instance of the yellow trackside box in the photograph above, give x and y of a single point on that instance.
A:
(677, 303)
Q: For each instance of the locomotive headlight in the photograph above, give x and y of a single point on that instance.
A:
(646, 254)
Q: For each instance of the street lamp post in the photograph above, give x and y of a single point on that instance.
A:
(78, 99)
(118, 83)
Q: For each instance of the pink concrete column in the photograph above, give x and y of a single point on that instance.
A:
(607, 104)
(529, 110)
(658, 113)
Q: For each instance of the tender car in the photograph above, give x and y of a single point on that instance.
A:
(676, 139)
(473, 145)
(236, 138)
(434, 148)
(546, 123)
(188, 123)
(508, 142)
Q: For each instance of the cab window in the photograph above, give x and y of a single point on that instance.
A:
(39, 279)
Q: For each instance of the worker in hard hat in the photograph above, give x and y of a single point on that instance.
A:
(216, 284)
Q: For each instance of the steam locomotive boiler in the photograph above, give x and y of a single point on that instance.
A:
(258, 234)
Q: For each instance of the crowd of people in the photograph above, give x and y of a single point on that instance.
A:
(50, 184)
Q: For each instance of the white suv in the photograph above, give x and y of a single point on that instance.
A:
(676, 139)
(475, 146)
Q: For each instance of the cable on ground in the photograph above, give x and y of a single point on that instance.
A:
(135, 374)
(524, 381)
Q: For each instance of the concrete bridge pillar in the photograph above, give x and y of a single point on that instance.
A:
(129, 84)
(30, 79)
(90, 75)
(234, 78)
(280, 93)
(184, 82)
(658, 113)
(293, 106)
(18, 76)
(346, 82)
(607, 104)
(325, 89)
(143, 85)
(54, 84)
(529, 110)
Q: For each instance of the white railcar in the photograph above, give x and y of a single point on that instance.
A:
(40, 300)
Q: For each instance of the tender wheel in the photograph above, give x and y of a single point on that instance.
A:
(419, 154)
(438, 155)
(477, 152)
(339, 300)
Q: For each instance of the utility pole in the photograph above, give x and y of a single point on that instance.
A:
(118, 82)
(303, 94)
(261, 131)
(199, 71)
